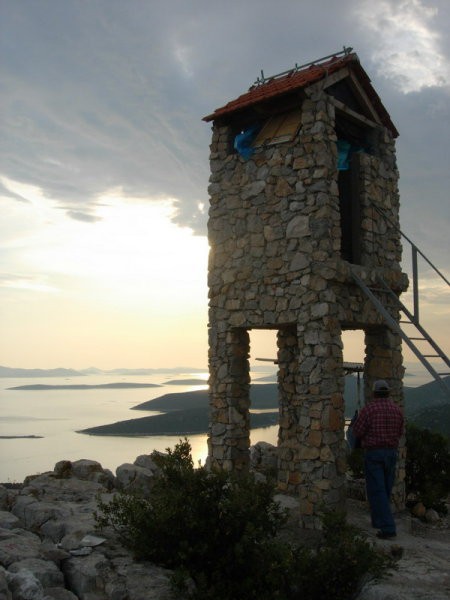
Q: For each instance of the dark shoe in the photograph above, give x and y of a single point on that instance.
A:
(385, 536)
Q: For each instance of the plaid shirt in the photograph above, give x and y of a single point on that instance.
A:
(379, 424)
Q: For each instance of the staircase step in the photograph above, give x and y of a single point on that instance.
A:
(407, 319)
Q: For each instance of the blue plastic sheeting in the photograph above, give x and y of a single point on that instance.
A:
(345, 152)
(243, 141)
(344, 149)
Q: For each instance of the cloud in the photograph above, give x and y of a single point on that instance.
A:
(407, 46)
(108, 95)
(95, 111)
(26, 283)
(423, 119)
(5, 192)
(82, 216)
(114, 97)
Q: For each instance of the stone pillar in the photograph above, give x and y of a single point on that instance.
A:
(383, 360)
(291, 421)
(229, 434)
(311, 440)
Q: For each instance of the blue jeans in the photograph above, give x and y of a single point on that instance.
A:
(379, 469)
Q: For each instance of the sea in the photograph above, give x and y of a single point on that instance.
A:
(38, 428)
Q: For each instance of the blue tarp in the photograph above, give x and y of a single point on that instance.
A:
(243, 141)
(345, 152)
(343, 155)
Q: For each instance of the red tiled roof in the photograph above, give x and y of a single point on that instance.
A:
(296, 80)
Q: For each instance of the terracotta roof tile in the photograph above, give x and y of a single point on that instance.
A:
(297, 80)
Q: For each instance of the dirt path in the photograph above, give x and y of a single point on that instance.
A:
(424, 567)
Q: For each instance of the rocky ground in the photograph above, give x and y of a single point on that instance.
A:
(50, 548)
(423, 549)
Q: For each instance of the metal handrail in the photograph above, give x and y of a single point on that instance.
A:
(394, 325)
(415, 270)
(261, 80)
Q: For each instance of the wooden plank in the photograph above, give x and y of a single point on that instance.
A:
(335, 77)
(269, 129)
(355, 116)
(364, 97)
(279, 128)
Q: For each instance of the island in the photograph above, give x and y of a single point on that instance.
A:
(181, 422)
(21, 437)
(122, 385)
(187, 413)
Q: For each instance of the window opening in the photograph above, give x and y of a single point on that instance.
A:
(353, 355)
(350, 211)
(351, 142)
(264, 385)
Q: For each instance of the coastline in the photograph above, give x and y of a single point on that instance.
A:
(21, 437)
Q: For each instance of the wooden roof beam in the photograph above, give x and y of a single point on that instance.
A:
(364, 97)
(353, 115)
(335, 77)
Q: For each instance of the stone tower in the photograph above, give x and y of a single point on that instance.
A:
(303, 195)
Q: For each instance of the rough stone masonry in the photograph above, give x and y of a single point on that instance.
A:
(275, 233)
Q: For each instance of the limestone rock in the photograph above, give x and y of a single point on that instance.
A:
(25, 586)
(17, 544)
(146, 461)
(132, 478)
(264, 458)
(45, 571)
(432, 516)
(59, 594)
(5, 593)
(150, 582)
(8, 520)
(83, 575)
(34, 514)
(3, 497)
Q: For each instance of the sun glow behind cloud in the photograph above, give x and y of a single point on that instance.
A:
(135, 247)
(132, 261)
(132, 244)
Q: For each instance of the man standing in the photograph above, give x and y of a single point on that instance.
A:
(379, 426)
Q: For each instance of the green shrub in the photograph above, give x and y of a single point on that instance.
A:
(221, 531)
(355, 462)
(213, 525)
(339, 567)
(427, 467)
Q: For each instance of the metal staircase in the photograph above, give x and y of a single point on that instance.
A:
(409, 327)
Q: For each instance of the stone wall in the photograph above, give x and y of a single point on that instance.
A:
(275, 236)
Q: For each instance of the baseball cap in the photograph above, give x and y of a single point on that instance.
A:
(380, 386)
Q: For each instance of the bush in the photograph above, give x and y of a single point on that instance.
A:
(340, 566)
(221, 531)
(355, 462)
(427, 467)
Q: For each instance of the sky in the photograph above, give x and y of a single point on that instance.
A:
(104, 159)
